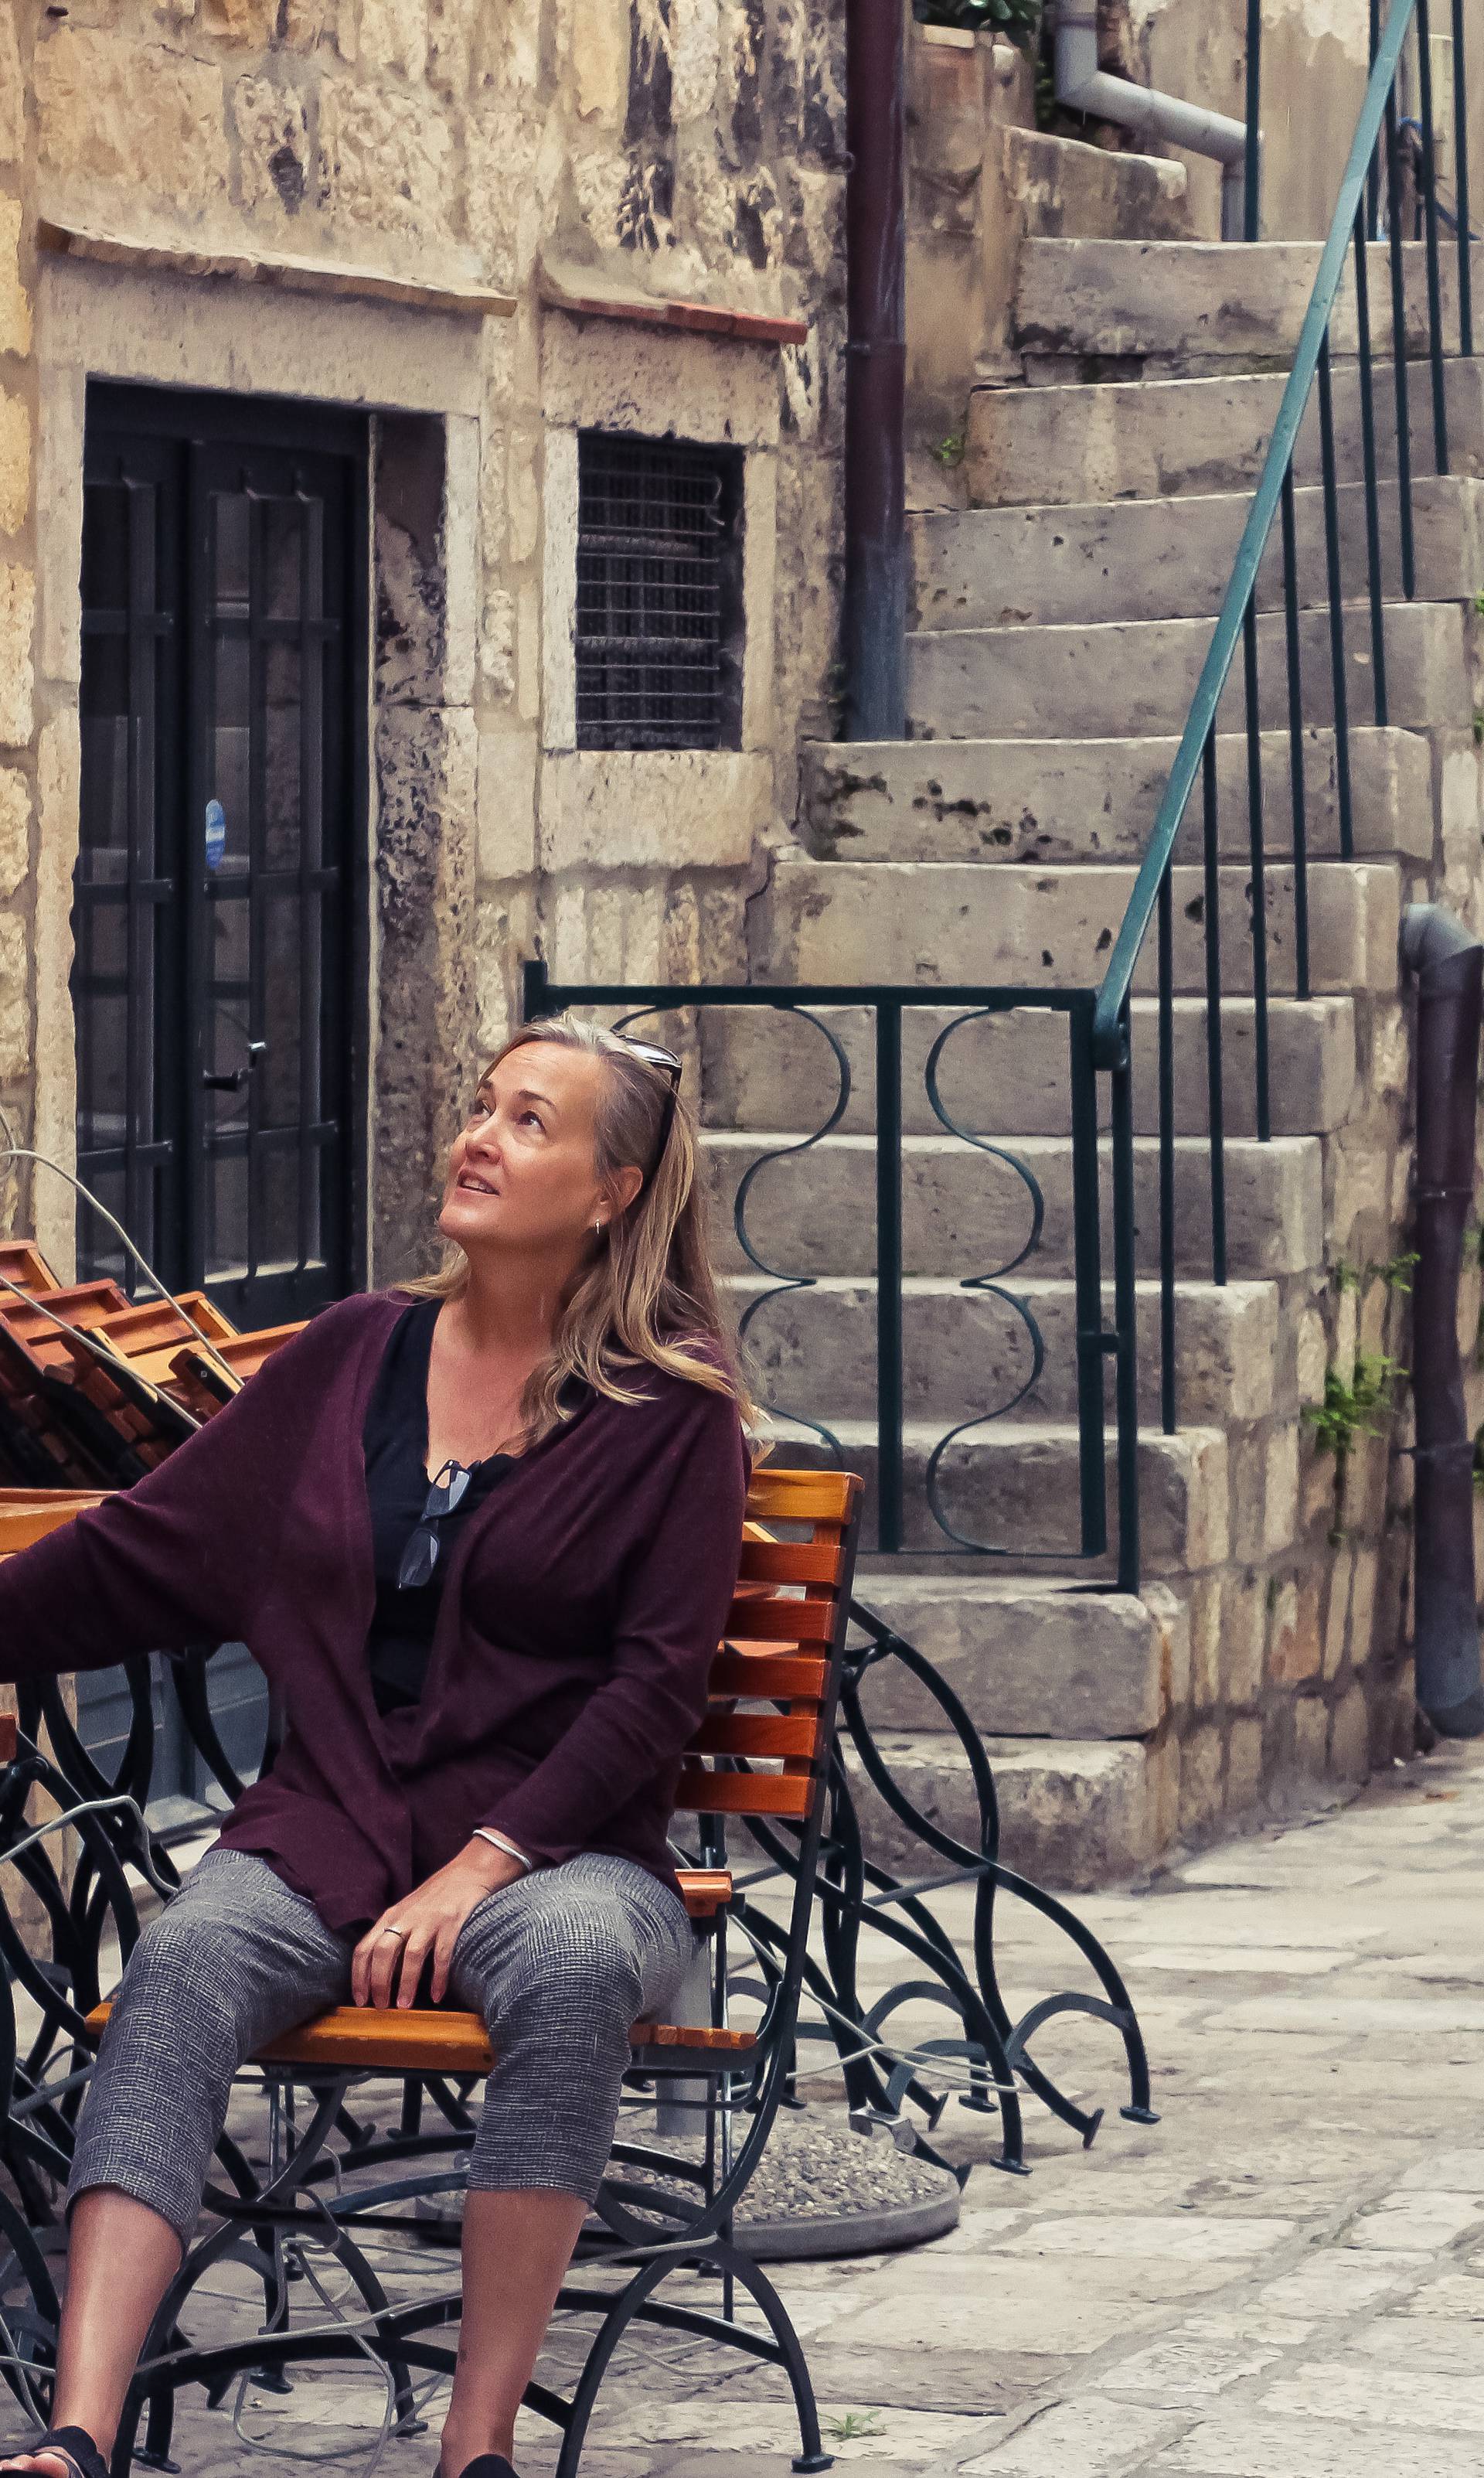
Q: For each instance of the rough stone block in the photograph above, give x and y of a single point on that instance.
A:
(14, 300)
(1349, 1738)
(1200, 1776)
(1311, 1735)
(662, 384)
(1244, 1633)
(15, 830)
(14, 463)
(1074, 1814)
(1244, 1765)
(12, 93)
(17, 677)
(134, 113)
(680, 808)
(384, 159)
(273, 145)
(1337, 1610)
(1296, 1651)
(15, 997)
(1030, 1659)
(393, 35)
(241, 21)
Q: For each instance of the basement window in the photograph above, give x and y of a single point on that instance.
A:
(659, 593)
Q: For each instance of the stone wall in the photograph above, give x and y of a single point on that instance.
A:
(647, 151)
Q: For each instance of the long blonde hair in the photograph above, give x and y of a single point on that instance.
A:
(648, 1296)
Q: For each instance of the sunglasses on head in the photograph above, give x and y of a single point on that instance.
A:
(669, 1067)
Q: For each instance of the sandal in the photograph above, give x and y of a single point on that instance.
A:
(74, 2445)
(486, 2464)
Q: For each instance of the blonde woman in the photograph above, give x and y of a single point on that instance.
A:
(481, 1535)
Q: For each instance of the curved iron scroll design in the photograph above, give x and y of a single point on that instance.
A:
(784, 1282)
(989, 1286)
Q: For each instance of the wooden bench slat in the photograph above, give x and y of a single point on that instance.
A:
(704, 1793)
(706, 1890)
(801, 1497)
(790, 1562)
(757, 1734)
(780, 1621)
(774, 1676)
(363, 2038)
(22, 1261)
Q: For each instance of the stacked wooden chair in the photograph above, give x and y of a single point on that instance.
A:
(765, 1753)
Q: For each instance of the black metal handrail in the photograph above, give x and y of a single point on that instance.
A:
(1368, 208)
(1099, 1337)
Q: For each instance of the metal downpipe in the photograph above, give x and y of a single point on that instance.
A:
(1083, 87)
(1447, 962)
(874, 618)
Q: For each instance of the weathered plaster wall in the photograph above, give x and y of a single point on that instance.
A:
(684, 149)
(1315, 54)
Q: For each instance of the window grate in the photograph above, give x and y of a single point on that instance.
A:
(655, 524)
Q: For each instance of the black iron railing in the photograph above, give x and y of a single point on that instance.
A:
(913, 1513)
(1392, 161)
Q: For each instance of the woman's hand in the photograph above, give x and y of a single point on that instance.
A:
(388, 1963)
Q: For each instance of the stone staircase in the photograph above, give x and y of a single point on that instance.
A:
(1058, 621)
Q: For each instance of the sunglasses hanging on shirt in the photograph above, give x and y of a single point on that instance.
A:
(423, 1544)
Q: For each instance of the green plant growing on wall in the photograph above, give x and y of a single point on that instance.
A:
(1351, 1409)
(1018, 20)
(950, 451)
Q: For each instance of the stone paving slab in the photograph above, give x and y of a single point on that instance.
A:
(1283, 2279)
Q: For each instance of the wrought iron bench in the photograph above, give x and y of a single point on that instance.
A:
(766, 1751)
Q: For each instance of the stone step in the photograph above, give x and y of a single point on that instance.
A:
(926, 922)
(1066, 190)
(967, 1210)
(1172, 559)
(967, 1355)
(1156, 437)
(1029, 1660)
(1062, 801)
(1193, 303)
(761, 1067)
(1137, 678)
(1013, 1488)
(1075, 1813)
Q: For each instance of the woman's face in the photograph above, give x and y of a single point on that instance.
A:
(522, 1173)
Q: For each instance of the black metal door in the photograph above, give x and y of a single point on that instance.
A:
(219, 982)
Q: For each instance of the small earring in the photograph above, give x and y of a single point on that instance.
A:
(598, 1228)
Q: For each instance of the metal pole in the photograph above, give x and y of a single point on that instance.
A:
(1253, 162)
(874, 618)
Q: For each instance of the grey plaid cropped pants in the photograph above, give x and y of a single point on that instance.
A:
(559, 1964)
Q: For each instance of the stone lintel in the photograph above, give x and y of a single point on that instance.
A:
(589, 293)
(325, 276)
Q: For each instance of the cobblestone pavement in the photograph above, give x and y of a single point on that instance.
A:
(1284, 2279)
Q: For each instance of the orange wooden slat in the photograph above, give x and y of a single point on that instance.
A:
(21, 1261)
(20, 1525)
(361, 2039)
(7, 1738)
(801, 1497)
(780, 1621)
(706, 1890)
(757, 1734)
(773, 1676)
(791, 1561)
(703, 1793)
(155, 1324)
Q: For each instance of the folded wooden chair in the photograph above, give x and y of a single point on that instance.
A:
(765, 1750)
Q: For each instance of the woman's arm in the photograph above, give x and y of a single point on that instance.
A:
(176, 1559)
(679, 1587)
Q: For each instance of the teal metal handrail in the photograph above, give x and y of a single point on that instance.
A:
(1109, 1035)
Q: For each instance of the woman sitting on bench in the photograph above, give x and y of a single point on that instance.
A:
(482, 1535)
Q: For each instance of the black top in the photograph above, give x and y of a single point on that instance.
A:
(396, 1439)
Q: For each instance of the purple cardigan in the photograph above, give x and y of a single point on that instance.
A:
(582, 1609)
